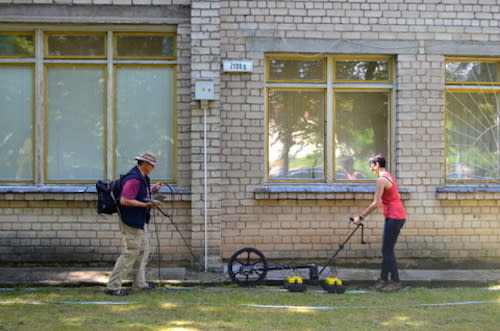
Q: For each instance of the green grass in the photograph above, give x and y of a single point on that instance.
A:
(226, 308)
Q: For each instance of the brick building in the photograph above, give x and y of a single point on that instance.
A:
(299, 92)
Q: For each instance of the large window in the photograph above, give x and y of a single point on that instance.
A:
(326, 116)
(78, 106)
(473, 120)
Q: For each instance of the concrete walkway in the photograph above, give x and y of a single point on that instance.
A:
(73, 276)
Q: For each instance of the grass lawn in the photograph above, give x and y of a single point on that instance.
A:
(261, 308)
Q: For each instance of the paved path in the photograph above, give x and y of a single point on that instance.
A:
(59, 276)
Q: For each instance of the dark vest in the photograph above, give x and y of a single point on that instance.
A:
(136, 217)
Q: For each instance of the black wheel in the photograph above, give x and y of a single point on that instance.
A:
(247, 267)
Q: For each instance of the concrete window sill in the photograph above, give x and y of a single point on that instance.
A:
(73, 192)
(468, 192)
(317, 192)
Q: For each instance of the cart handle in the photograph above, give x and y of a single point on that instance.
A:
(362, 231)
(341, 246)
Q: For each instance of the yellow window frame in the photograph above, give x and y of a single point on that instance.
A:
(33, 119)
(146, 34)
(21, 33)
(325, 142)
(270, 57)
(389, 59)
(73, 33)
(459, 90)
(45, 120)
(390, 129)
(473, 60)
(174, 115)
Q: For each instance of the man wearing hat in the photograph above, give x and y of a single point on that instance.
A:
(135, 206)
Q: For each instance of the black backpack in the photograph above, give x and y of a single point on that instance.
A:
(108, 196)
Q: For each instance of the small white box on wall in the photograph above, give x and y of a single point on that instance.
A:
(204, 90)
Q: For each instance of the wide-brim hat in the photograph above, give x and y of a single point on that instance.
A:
(147, 157)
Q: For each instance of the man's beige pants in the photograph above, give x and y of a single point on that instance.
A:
(134, 241)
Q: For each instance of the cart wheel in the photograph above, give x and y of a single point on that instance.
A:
(247, 267)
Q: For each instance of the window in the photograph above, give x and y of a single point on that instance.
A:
(88, 101)
(326, 116)
(16, 126)
(472, 120)
(16, 111)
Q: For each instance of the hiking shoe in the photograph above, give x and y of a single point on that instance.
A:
(147, 287)
(118, 292)
(391, 286)
(379, 284)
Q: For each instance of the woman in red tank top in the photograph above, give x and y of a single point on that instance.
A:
(387, 196)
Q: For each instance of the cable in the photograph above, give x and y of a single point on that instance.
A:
(157, 247)
(170, 217)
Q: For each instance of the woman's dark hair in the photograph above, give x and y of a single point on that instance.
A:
(377, 158)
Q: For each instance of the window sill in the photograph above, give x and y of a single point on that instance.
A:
(317, 192)
(74, 192)
(468, 192)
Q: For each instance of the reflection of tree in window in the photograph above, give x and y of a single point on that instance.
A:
(17, 45)
(296, 132)
(473, 132)
(471, 72)
(361, 124)
(296, 69)
(362, 70)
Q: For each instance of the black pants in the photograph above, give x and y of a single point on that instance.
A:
(392, 228)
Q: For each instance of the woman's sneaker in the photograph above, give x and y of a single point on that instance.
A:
(391, 286)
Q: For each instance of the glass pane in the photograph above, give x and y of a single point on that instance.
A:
(471, 72)
(362, 70)
(473, 132)
(16, 124)
(297, 70)
(76, 45)
(16, 45)
(75, 127)
(296, 134)
(145, 117)
(361, 129)
(145, 46)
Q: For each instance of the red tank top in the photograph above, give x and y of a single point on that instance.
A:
(391, 200)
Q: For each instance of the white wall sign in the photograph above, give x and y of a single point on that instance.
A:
(237, 66)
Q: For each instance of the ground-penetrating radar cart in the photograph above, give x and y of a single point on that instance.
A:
(248, 267)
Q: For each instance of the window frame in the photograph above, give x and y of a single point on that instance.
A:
(366, 58)
(40, 61)
(114, 131)
(29, 33)
(118, 34)
(33, 122)
(330, 86)
(472, 60)
(46, 35)
(45, 122)
(325, 143)
(467, 87)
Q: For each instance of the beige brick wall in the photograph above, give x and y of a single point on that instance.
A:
(101, 2)
(285, 225)
(419, 34)
(55, 228)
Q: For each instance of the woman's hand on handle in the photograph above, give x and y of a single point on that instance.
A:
(357, 220)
